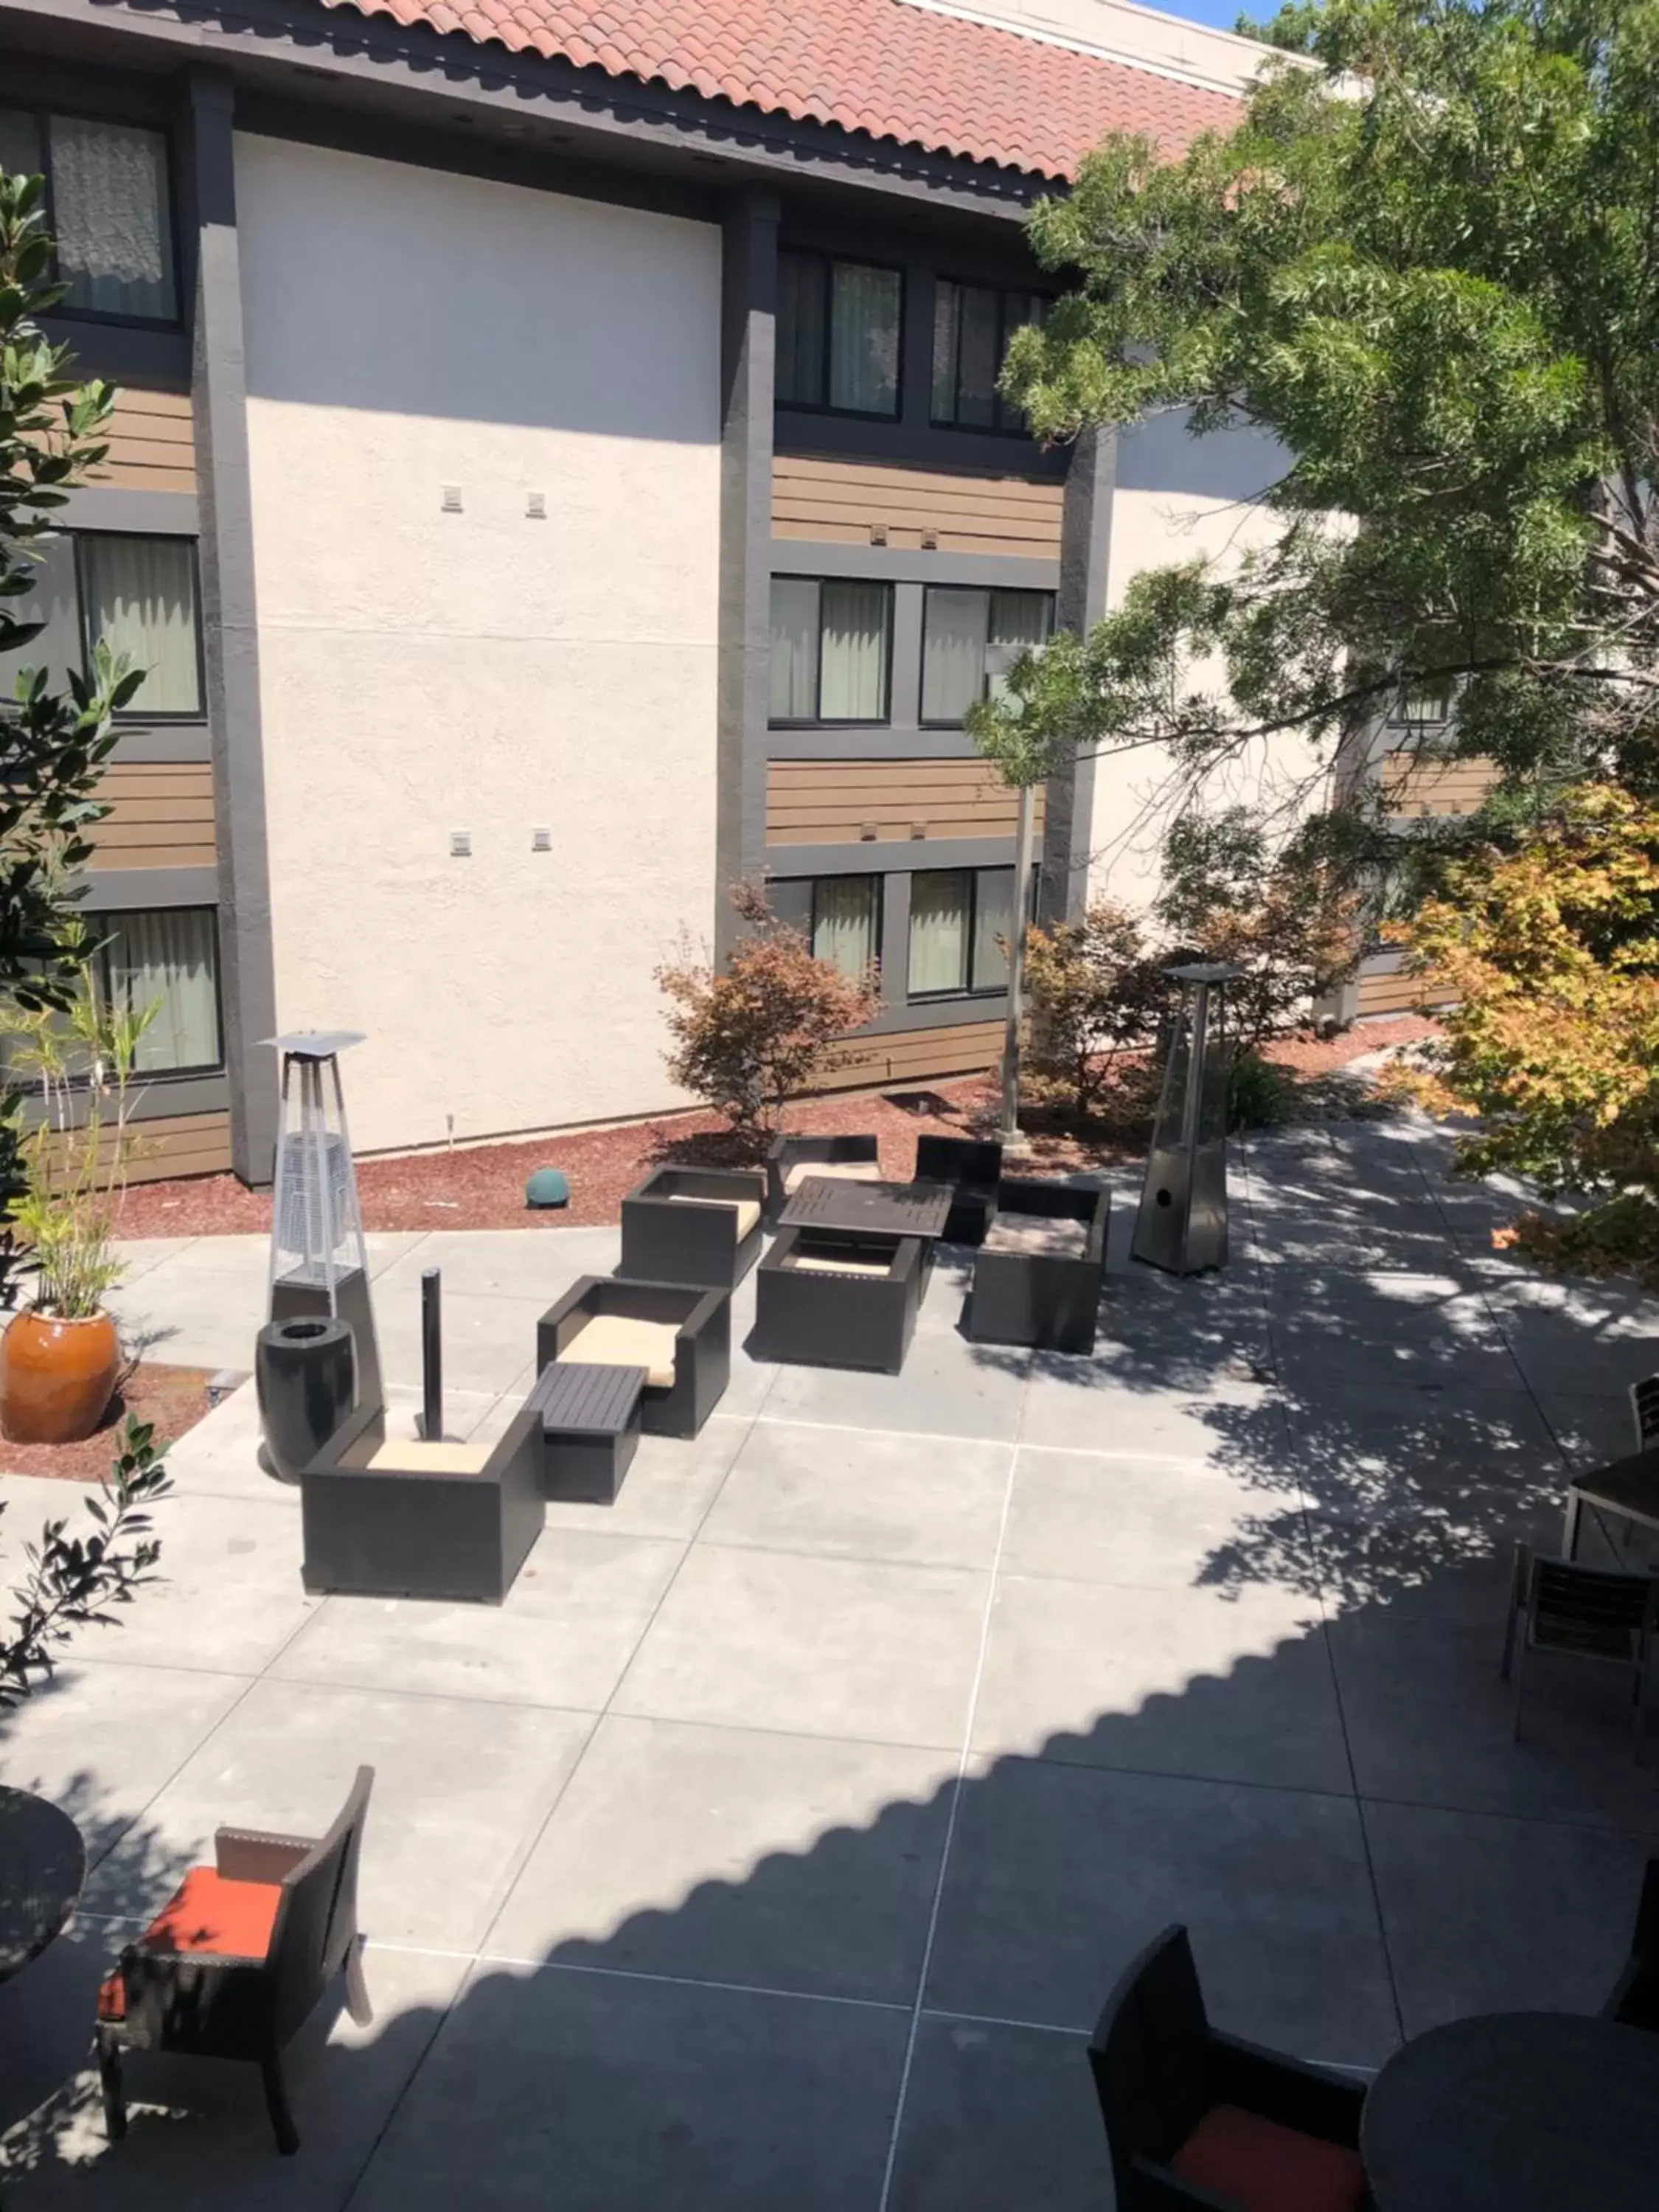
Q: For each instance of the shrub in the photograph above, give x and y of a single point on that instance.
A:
(1259, 1096)
(1551, 953)
(1097, 993)
(752, 1034)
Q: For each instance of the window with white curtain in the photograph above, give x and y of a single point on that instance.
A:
(830, 647)
(135, 594)
(837, 339)
(969, 639)
(972, 326)
(166, 958)
(847, 922)
(108, 206)
(962, 922)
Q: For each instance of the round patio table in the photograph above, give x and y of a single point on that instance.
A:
(1527, 2111)
(43, 1863)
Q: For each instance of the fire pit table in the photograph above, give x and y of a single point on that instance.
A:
(870, 1209)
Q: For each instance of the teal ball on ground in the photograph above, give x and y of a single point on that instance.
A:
(547, 1187)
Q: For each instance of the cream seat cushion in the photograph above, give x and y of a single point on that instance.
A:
(814, 1264)
(619, 1340)
(416, 1456)
(1039, 1236)
(746, 1209)
(836, 1170)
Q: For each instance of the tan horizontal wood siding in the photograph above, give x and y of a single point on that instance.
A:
(179, 1145)
(1384, 987)
(839, 802)
(1414, 784)
(152, 442)
(905, 1056)
(866, 502)
(161, 816)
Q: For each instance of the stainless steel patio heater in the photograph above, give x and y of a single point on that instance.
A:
(1182, 1222)
(318, 1259)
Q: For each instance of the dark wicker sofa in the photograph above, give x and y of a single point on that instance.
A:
(1038, 1275)
(972, 1167)
(685, 1347)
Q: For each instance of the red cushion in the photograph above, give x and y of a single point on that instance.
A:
(1260, 2166)
(205, 1914)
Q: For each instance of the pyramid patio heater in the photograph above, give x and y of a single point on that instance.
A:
(318, 1260)
(1182, 1222)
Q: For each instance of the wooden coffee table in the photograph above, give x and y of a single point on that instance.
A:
(870, 1209)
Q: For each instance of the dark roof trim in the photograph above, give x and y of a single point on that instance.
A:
(272, 44)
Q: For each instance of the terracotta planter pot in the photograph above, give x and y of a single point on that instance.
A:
(56, 1378)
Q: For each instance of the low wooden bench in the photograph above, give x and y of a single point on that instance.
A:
(590, 1428)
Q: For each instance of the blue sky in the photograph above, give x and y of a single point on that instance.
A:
(1221, 14)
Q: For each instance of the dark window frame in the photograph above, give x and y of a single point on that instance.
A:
(41, 111)
(997, 427)
(824, 406)
(969, 989)
(878, 883)
(925, 721)
(136, 715)
(100, 917)
(821, 720)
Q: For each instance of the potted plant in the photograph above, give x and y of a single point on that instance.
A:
(60, 1358)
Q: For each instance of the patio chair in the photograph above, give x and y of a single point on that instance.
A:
(1556, 1605)
(235, 1961)
(973, 1167)
(1038, 1275)
(699, 1225)
(1197, 2117)
(680, 1335)
(1644, 1410)
(851, 1158)
(1634, 1999)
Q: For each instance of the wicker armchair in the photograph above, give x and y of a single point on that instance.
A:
(850, 1155)
(234, 1962)
(973, 1167)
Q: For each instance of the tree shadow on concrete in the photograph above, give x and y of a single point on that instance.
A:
(1294, 1740)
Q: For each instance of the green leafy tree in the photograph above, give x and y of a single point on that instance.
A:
(1293, 29)
(1430, 270)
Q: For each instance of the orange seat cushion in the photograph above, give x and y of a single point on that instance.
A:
(205, 1915)
(1260, 2166)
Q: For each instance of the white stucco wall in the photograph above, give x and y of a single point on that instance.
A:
(1146, 37)
(1178, 498)
(423, 672)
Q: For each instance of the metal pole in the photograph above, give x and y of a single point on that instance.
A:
(1024, 850)
(432, 1354)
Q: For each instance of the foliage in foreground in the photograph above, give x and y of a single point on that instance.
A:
(752, 1034)
(75, 1581)
(1552, 951)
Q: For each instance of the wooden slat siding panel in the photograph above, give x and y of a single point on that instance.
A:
(817, 498)
(1415, 786)
(180, 1144)
(162, 815)
(912, 1056)
(152, 442)
(831, 802)
(1391, 991)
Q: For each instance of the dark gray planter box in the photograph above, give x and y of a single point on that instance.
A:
(973, 1167)
(850, 1150)
(830, 1315)
(410, 1526)
(700, 1225)
(1032, 1297)
(700, 1320)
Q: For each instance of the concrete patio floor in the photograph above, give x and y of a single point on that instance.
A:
(775, 1844)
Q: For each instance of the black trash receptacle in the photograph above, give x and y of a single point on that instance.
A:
(306, 1373)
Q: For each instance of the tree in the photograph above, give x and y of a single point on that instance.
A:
(1430, 270)
(749, 1035)
(1098, 991)
(1551, 952)
(1292, 29)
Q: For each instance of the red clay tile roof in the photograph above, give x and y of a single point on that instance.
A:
(878, 66)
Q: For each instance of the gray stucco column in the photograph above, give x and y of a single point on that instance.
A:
(230, 639)
(1085, 559)
(749, 268)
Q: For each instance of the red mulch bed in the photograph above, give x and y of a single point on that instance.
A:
(482, 1186)
(172, 1399)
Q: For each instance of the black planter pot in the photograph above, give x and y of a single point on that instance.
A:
(306, 1373)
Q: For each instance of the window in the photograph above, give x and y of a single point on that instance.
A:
(1422, 707)
(847, 922)
(972, 326)
(168, 958)
(829, 650)
(957, 917)
(135, 594)
(109, 207)
(837, 335)
(970, 638)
